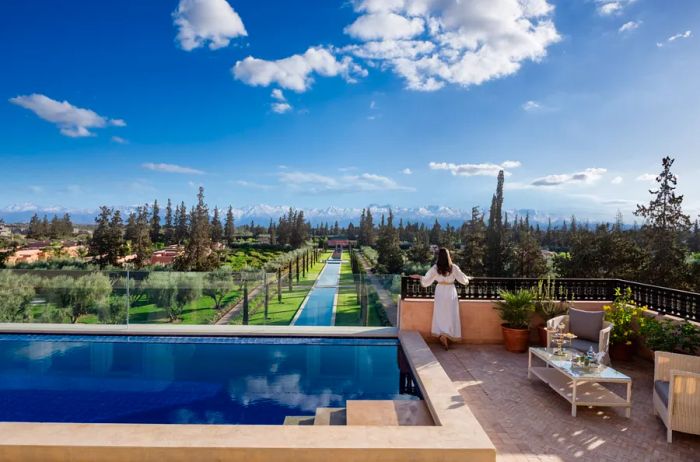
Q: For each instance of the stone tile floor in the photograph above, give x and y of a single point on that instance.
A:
(528, 421)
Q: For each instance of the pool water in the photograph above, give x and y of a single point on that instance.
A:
(318, 309)
(192, 380)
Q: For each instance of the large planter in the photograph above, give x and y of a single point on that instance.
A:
(542, 334)
(515, 340)
(621, 352)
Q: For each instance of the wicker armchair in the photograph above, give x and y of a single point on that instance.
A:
(677, 392)
(603, 339)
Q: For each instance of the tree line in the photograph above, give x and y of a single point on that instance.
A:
(662, 251)
(201, 235)
(42, 228)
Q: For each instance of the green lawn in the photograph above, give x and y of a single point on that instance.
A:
(201, 311)
(281, 314)
(348, 312)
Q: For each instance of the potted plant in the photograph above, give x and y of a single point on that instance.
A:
(624, 314)
(516, 309)
(672, 336)
(547, 305)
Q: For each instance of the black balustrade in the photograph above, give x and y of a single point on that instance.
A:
(673, 302)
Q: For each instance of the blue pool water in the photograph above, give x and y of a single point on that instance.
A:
(318, 310)
(192, 380)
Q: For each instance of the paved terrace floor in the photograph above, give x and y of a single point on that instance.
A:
(528, 421)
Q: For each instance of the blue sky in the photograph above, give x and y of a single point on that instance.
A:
(347, 103)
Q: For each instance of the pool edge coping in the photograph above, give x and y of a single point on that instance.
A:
(200, 330)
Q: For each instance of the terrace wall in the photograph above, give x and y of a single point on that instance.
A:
(480, 320)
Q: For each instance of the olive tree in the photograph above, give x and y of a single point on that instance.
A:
(172, 291)
(218, 284)
(79, 296)
(16, 295)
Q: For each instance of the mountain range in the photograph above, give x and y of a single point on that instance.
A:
(263, 213)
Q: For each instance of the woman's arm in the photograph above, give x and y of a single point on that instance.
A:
(459, 275)
(429, 277)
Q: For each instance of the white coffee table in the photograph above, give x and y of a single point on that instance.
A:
(579, 386)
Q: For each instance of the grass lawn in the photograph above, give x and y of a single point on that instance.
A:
(201, 311)
(281, 314)
(347, 311)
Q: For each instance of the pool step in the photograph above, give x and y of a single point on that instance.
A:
(388, 413)
(330, 416)
(298, 420)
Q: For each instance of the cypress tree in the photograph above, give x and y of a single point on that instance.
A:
(198, 254)
(229, 227)
(168, 230)
(471, 257)
(217, 230)
(495, 266)
(155, 223)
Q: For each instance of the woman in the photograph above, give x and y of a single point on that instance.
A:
(446, 324)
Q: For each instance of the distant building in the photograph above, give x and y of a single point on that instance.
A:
(341, 243)
(45, 250)
(166, 256)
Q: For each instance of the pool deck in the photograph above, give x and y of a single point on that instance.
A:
(529, 422)
(457, 435)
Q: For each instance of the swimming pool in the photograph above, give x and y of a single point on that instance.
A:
(192, 380)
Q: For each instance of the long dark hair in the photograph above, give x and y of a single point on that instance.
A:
(444, 262)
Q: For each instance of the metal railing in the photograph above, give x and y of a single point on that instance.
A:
(663, 300)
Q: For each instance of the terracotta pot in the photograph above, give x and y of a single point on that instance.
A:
(542, 333)
(621, 352)
(515, 340)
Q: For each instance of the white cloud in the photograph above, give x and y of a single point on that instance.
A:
(280, 104)
(455, 42)
(36, 189)
(484, 169)
(673, 38)
(612, 7)
(384, 26)
(682, 35)
(171, 168)
(314, 183)
(296, 72)
(629, 26)
(281, 108)
(206, 21)
(587, 176)
(646, 177)
(531, 106)
(617, 180)
(73, 121)
(252, 185)
(119, 140)
(407, 171)
(388, 50)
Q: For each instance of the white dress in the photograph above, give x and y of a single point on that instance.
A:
(446, 309)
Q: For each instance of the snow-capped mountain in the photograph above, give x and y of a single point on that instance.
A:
(263, 213)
